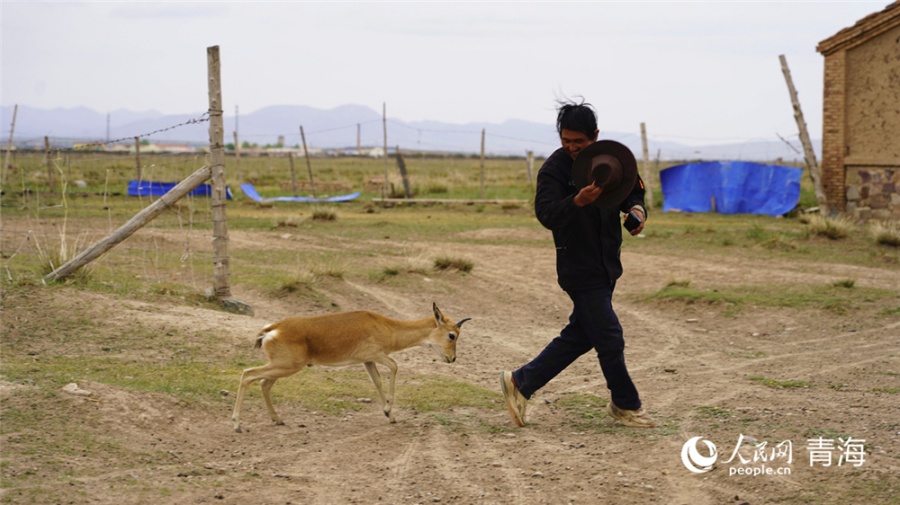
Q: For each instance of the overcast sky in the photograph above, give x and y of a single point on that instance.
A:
(694, 72)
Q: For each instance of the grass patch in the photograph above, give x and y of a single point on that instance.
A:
(708, 412)
(780, 384)
(834, 228)
(588, 411)
(838, 297)
(324, 215)
(431, 393)
(459, 264)
(886, 233)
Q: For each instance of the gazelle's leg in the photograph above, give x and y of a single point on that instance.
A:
(268, 373)
(247, 378)
(376, 379)
(266, 385)
(389, 398)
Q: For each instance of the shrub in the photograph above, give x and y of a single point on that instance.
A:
(460, 264)
(834, 228)
(887, 233)
(324, 215)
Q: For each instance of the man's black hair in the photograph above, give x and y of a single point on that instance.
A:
(578, 117)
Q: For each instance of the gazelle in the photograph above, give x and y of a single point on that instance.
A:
(344, 339)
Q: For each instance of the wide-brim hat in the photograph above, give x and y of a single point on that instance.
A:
(610, 164)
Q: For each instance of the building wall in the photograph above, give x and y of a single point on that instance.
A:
(873, 98)
(833, 131)
(860, 150)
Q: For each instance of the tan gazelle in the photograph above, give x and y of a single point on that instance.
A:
(341, 339)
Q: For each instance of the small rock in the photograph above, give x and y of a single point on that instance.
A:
(73, 389)
(236, 306)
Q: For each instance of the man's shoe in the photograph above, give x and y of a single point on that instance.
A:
(632, 418)
(514, 399)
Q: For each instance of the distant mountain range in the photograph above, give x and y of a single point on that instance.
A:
(345, 127)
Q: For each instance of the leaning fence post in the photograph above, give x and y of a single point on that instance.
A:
(401, 165)
(312, 180)
(134, 224)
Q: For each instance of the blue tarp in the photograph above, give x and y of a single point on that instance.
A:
(152, 188)
(251, 193)
(738, 187)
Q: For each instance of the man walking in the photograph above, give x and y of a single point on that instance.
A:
(581, 190)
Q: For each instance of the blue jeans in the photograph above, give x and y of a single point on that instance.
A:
(592, 325)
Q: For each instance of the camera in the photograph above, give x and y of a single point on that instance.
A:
(632, 221)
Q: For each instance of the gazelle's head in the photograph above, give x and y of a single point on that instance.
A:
(444, 337)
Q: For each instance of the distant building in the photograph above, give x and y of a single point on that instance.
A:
(861, 117)
(168, 148)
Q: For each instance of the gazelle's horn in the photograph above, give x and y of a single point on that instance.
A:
(461, 321)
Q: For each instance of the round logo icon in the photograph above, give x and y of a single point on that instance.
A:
(693, 460)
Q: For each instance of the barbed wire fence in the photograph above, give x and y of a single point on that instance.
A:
(70, 199)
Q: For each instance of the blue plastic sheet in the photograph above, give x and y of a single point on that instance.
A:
(251, 193)
(734, 187)
(152, 188)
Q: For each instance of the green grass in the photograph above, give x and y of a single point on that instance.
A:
(780, 384)
(839, 297)
(710, 412)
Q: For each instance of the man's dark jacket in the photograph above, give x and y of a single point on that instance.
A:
(588, 239)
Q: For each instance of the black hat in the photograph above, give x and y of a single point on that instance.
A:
(610, 164)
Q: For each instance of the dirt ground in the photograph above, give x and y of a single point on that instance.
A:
(692, 363)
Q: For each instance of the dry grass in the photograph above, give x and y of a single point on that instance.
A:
(886, 233)
(834, 228)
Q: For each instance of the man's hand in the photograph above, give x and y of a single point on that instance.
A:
(588, 194)
(640, 214)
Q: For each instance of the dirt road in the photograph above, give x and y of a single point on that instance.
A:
(763, 374)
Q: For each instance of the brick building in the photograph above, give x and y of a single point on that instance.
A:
(861, 117)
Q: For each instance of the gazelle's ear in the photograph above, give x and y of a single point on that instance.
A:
(438, 315)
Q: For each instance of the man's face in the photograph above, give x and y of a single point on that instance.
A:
(573, 142)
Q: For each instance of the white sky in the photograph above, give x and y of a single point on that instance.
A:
(694, 72)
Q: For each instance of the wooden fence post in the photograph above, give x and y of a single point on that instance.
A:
(221, 285)
(481, 191)
(809, 154)
(237, 157)
(648, 175)
(529, 161)
(384, 189)
(137, 158)
(293, 174)
(51, 180)
(401, 165)
(9, 147)
(134, 224)
(312, 181)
